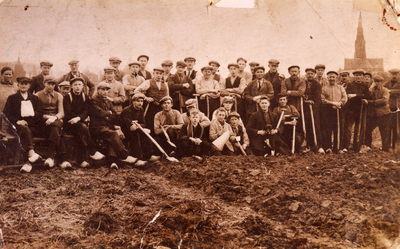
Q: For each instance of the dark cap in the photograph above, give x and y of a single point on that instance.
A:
(319, 66)
(73, 62)
(344, 73)
(310, 69)
(138, 96)
(253, 63)
(233, 114)
(214, 62)
(158, 69)
(116, 59)
(394, 70)
(181, 63)
(167, 63)
(293, 66)
(334, 72)
(49, 79)
(46, 63)
(258, 68)
(358, 72)
(134, 63)
(109, 69)
(206, 68)
(143, 55)
(24, 80)
(165, 98)
(273, 61)
(233, 65)
(190, 59)
(76, 79)
(103, 85)
(367, 73)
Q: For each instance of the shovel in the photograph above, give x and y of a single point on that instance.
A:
(167, 137)
(364, 148)
(303, 122)
(338, 129)
(397, 144)
(313, 126)
(171, 159)
(294, 136)
(240, 146)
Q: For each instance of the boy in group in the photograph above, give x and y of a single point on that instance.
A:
(243, 74)
(333, 97)
(23, 110)
(263, 133)
(227, 104)
(76, 109)
(218, 127)
(234, 86)
(193, 137)
(167, 124)
(240, 133)
(116, 94)
(102, 126)
(209, 91)
(133, 80)
(51, 123)
(180, 87)
(253, 92)
(290, 119)
(191, 104)
(139, 144)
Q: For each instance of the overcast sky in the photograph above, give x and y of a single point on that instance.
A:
(303, 32)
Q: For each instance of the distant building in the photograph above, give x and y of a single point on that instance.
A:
(360, 60)
(19, 70)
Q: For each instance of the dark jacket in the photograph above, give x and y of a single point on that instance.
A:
(252, 90)
(297, 90)
(175, 86)
(147, 76)
(37, 84)
(313, 92)
(394, 87)
(130, 114)
(101, 119)
(89, 86)
(361, 90)
(192, 74)
(276, 81)
(378, 102)
(76, 106)
(12, 109)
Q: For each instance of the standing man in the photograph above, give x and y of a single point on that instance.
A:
(209, 91)
(103, 126)
(144, 59)
(394, 89)
(116, 94)
(276, 80)
(368, 78)
(181, 87)
(333, 98)
(133, 80)
(294, 87)
(51, 123)
(253, 65)
(323, 81)
(312, 97)
(356, 91)
(115, 62)
(37, 83)
(167, 65)
(154, 89)
(255, 90)
(76, 109)
(243, 74)
(344, 79)
(24, 112)
(7, 88)
(88, 85)
(190, 62)
(378, 113)
(215, 65)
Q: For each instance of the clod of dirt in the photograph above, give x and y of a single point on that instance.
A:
(100, 221)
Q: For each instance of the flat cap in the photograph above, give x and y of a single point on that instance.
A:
(368, 73)
(253, 63)
(358, 72)
(378, 78)
(76, 79)
(190, 59)
(143, 55)
(134, 63)
(158, 69)
(191, 102)
(50, 79)
(103, 85)
(167, 63)
(334, 72)
(227, 99)
(214, 62)
(233, 114)
(64, 83)
(273, 61)
(310, 69)
(165, 98)
(344, 73)
(115, 59)
(181, 63)
(319, 66)
(46, 63)
(258, 68)
(264, 97)
(24, 80)
(241, 59)
(73, 62)
(233, 65)
(138, 96)
(280, 95)
(206, 68)
(394, 70)
(293, 66)
(109, 69)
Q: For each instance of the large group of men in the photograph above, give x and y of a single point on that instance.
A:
(143, 115)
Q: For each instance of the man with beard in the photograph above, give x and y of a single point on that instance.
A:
(356, 91)
(144, 59)
(37, 83)
(23, 110)
(394, 89)
(294, 87)
(276, 80)
(333, 98)
(312, 97)
(88, 85)
(76, 109)
(181, 87)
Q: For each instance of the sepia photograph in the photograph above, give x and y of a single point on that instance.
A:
(200, 124)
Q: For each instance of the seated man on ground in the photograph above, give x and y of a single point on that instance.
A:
(217, 128)
(190, 105)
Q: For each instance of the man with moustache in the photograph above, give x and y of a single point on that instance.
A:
(181, 87)
(37, 83)
(144, 59)
(88, 86)
(294, 87)
(276, 80)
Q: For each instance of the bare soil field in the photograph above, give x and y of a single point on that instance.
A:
(302, 201)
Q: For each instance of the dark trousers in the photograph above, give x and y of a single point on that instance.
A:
(213, 105)
(309, 129)
(25, 135)
(116, 147)
(162, 140)
(351, 118)
(287, 136)
(383, 122)
(188, 148)
(53, 133)
(151, 112)
(394, 120)
(139, 145)
(329, 126)
(83, 140)
(276, 144)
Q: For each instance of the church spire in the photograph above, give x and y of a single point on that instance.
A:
(360, 41)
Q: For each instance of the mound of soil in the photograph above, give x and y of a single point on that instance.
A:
(305, 201)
